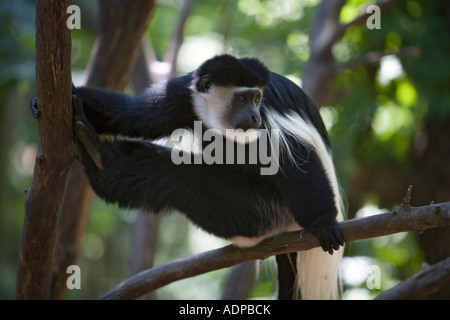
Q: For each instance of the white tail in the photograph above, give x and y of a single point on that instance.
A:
(317, 271)
(317, 274)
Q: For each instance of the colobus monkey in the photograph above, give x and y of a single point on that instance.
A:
(232, 201)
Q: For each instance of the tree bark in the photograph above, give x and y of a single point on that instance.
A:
(122, 25)
(56, 149)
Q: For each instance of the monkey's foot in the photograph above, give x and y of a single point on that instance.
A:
(35, 112)
(330, 237)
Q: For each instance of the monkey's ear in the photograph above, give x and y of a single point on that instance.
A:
(204, 83)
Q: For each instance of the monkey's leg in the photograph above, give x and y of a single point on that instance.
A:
(287, 269)
(86, 134)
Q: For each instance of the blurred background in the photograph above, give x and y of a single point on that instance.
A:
(384, 95)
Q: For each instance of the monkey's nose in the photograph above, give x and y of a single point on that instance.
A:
(252, 121)
(256, 120)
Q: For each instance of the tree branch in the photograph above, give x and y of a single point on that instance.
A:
(404, 219)
(320, 70)
(428, 281)
(382, 4)
(123, 25)
(318, 74)
(176, 39)
(56, 150)
(141, 77)
(376, 56)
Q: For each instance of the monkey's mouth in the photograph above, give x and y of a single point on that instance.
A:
(246, 128)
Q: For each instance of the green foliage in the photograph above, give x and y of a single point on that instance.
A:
(398, 256)
(16, 40)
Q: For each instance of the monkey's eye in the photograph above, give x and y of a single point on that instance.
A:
(242, 98)
(257, 99)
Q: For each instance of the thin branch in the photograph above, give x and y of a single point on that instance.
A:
(141, 77)
(326, 25)
(428, 281)
(401, 220)
(122, 24)
(407, 197)
(176, 40)
(320, 70)
(376, 56)
(382, 4)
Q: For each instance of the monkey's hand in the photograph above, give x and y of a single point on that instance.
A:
(330, 236)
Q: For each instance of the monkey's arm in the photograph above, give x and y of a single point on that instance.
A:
(311, 201)
(109, 111)
(156, 113)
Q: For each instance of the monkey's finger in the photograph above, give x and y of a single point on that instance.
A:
(330, 250)
(326, 245)
(335, 244)
(340, 237)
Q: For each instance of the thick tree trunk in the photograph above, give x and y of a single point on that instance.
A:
(55, 153)
(122, 25)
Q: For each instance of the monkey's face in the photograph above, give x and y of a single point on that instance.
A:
(234, 111)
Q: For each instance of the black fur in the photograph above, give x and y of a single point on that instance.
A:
(226, 200)
(226, 70)
(285, 96)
